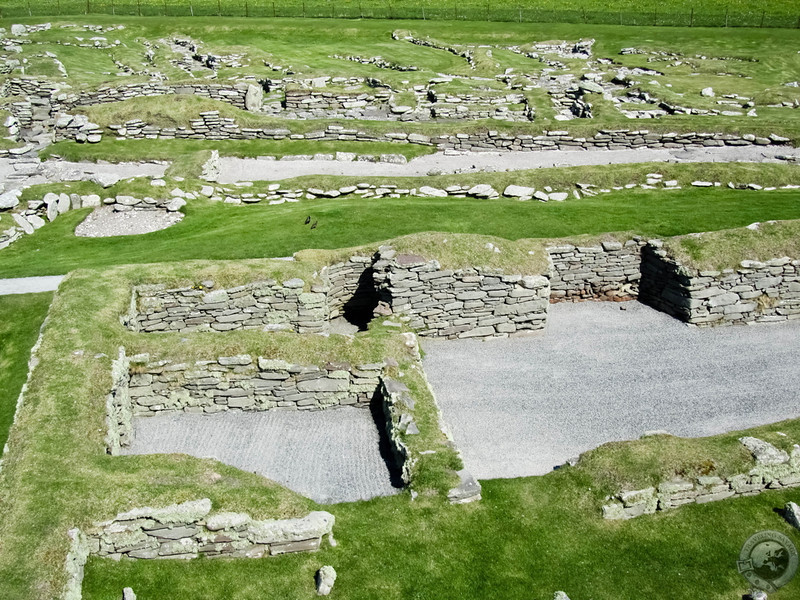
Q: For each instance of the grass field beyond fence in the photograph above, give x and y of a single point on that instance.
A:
(673, 13)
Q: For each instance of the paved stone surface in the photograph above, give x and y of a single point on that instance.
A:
(104, 222)
(329, 456)
(251, 169)
(30, 285)
(521, 406)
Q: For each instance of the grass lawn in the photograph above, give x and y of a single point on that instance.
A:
(214, 231)
(20, 318)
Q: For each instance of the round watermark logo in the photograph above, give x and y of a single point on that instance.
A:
(768, 560)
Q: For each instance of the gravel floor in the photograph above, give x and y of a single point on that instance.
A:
(521, 406)
(104, 222)
(30, 285)
(249, 169)
(329, 456)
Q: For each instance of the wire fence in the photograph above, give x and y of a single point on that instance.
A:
(381, 9)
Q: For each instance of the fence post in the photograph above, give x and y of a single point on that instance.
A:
(29, 8)
(726, 17)
(139, 7)
(620, 17)
(333, 10)
(487, 11)
(423, 13)
(391, 11)
(191, 9)
(219, 9)
(88, 6)
(691, 18)
(246, 8)
(520, 15)
(455, 12)
(304, 9)
(113, 12)
(273, 9)
(360, 11)
(655, 17)
(165, 8)
(763, 14)
(58, 6)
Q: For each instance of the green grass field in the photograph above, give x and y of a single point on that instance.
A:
(20, 319)
(213, 231)
(714, 13)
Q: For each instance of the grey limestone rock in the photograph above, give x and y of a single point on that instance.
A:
(325, 578)
(764, 452)
(128, 594)
(792, 514)
(468, 490)
(253, 98)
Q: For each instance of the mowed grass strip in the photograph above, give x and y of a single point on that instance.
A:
(21, 316)
(219, 232)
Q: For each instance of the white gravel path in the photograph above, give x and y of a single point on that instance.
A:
(330, 456)
(522, 406)
(233, 170)
(104, 222)
(30, 285)
(22, 172)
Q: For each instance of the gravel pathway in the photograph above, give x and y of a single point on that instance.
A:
(250, 169)
(104, 222)
(329, 456)
(30, 285)
(521, 406)
(15, 173)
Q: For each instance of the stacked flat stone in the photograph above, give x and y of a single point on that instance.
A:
(767, 475)
(754, 292)
(186, 531)
(491, 141)
(248, 383)
(350, 286)
(266, 304)
(397, 407)
(610, 271)
(459, 304)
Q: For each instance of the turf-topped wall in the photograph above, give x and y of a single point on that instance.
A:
(472, 302)
(188, 530)
(761, 292)
(266, 304)
(462, 303)
(490, 141)
(610, 271)
(774, 469)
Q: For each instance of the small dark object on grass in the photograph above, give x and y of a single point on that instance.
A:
(308, 220)
(314, 225)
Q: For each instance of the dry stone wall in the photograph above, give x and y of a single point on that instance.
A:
(462, 303)
(610, 271)
(488, 141)
(268, 304)
(778, 472)
(187, 531)
(248, 383)
(754, 292)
